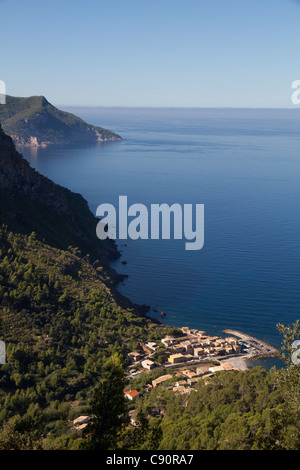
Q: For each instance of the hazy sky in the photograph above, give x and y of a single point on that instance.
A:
(152, 53)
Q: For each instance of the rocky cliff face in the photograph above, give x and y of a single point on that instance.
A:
(16, 176)
(31, 202)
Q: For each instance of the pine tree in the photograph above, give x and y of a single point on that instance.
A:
(107, 407)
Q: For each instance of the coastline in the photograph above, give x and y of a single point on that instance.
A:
(258, 349)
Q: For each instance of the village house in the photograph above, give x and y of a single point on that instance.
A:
(151, 345)
(135, 356)
(188, 347)
(220, 350)
(193, 380)
(182, 390)
(178, 348)
(211, 340)
(220, 342)
(168, 341)
(231, 340)
(185, 329)
(193, 332)
(147, 364)
(199, 352)
(194, 341)
(237, 349)
(209, 351)
(188, 373)
(176, 358)
(161, 379)
(81, 420)
(131, 394)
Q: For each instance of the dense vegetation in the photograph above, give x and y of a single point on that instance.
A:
(60, 323)
(236, 411)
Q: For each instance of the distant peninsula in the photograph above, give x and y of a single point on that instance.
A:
(35, 122)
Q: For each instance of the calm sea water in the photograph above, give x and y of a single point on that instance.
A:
(244, 166)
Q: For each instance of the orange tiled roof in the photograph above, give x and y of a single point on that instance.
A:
(132, 393)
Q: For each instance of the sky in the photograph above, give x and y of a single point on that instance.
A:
(158, 53)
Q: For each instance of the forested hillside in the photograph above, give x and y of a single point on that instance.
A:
(60, 323)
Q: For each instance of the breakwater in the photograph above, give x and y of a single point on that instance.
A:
(260, 349)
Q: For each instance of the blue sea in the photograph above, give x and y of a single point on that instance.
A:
(244, 166)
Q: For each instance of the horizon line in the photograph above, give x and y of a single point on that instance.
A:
(177, 107)
(96, 106)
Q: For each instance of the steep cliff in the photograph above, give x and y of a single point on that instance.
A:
(31, 202)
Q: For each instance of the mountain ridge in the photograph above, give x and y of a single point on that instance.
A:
(35, 122)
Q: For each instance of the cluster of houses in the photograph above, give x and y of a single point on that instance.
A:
(181, 352)
(188, 359)
(193, 345)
